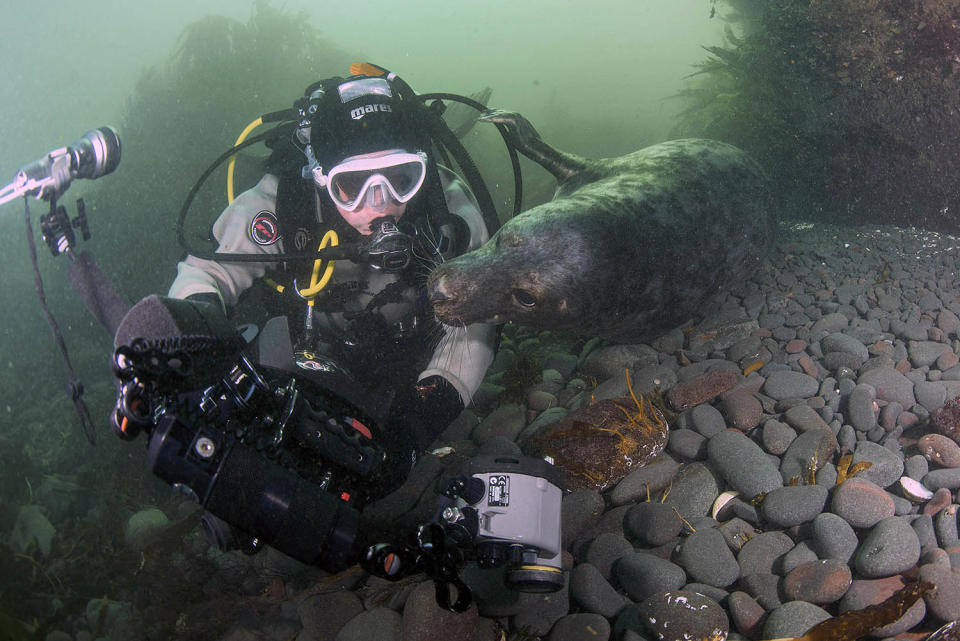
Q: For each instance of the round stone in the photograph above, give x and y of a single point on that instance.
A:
(819, 582)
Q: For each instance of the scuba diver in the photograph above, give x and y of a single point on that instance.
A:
(358, 172)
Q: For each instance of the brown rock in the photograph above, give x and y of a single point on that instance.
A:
(748, 615)
(819, 582)
(939, 449)
(742, 409)
(941, 499)
(701, 389)
(598, 445)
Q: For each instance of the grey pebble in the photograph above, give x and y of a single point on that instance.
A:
(804, 418)
(538, 612)
(833, 538)
(378, 623)
(707, 420)
(861, 503)
(763, 554)
(578, 510)
(846, 344)
(891, 547)
(580, 627)
(593, 592)
(944, 602)
(860, 408)
(641, 575)
(945, 526)
(890, 385)
(650, 478)
(776, 437)
(886, 467)
(705, 557)
(793, 619)
(800, 554)
(687, 444)
(604, 551)
(789, 384)
(794, 505)
(819, 444)
(930, 395)
(948, 478)
(764, 587)
(652, 523)
(693, 491)
(743, 464)
(916, 467)
(925, 353)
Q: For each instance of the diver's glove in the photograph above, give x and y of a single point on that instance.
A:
(415, 420)
(433, 405)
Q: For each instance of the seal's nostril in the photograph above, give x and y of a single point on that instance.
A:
(438, 292)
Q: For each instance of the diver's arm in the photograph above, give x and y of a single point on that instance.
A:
(232, 231)
(463, 354)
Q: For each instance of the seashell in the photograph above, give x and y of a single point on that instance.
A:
(722, 500)
(914, 490)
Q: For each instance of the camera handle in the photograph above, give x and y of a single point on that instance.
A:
(432, 556)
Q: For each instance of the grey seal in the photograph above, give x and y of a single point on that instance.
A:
(628, 248)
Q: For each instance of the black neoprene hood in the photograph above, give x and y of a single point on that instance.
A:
(362, 124)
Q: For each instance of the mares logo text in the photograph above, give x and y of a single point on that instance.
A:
(360, 112)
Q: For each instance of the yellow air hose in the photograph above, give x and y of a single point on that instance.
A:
(330, 239)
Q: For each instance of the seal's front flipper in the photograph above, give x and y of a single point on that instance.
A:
(461, 118)
(524, 137)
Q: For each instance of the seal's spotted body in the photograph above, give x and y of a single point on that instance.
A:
(629, 247)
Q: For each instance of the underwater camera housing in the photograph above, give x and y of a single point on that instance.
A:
(284, 460)
(509, 507)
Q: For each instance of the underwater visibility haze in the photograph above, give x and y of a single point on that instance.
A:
(837, 357)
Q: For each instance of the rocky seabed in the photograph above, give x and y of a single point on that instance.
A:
(826, 366)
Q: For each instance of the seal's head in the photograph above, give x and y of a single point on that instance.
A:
(517, 277)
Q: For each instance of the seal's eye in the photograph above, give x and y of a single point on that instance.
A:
(524, 298)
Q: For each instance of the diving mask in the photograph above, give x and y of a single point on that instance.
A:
(354, 182)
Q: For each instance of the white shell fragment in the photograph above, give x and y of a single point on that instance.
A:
(914, 490)
(722, 500)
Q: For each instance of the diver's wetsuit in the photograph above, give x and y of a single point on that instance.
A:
(460, 356)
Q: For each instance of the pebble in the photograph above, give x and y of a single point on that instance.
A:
(687, 444)
(944, 602)
(652, 523)
(705, 557)
(578, 627)
(693, 491)
(742, 409)
(322, 615)
(593, 593)
(763, 553)
(379, 623)
(793, 619)
(776, 437)
(747, 615)
(794, 505)
(890, 385)
(743, 464)
(861, 408)
(764, 587)
(604, 551)
(700, 389)
(833, 538)
(424, 619)
(886, 467)
(707, 420)
(819, 582)
(939, 449)
(891, 547)
(788, 384)
(681, 615)
(815, 444)
(946, 478)
(643, 480)
(578, 510)
(804, 418)
(641, 574)
(861, 503)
